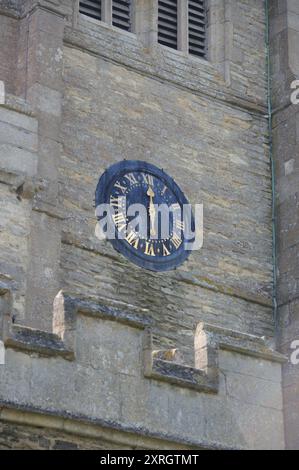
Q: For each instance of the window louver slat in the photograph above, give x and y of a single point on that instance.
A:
(168, 23)
(197, 28)
(91, 8)
(121, 14)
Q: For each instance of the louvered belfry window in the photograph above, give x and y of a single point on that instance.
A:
(91, 8)
(168, 23)
(182, 25)
(121, 14)
(197, 27)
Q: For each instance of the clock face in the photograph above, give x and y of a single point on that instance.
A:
(145, 210)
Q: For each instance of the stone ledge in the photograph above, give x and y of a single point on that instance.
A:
(204, 376)
(41, 342)
(96, 428)
(243, 343)
(14, 103)
(94, 309)
(183, 376)
(47, 208)
(8, 9)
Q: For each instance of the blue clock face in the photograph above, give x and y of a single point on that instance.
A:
(147, 216)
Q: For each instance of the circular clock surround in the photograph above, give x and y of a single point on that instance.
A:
(130, 178)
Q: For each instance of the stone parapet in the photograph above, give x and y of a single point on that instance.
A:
(233, 375)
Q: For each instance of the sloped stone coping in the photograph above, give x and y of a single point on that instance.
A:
(183, 376)
(242, 343)
(29, 339)
(109, 313)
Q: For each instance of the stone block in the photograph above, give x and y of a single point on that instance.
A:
(254, 391)
(291, 394)
(186, 415)
(291, 414)
(18, 137)
(2, 92)
(17, 160)
(111, 347)
(45, 99)
(18, 119)
(45, 57)
(52, 384)
(96, 394)
(16, 370)
(255, 367)
(47, 22)
(49, 154)
(237, 424)
(293, 21)
(293, 51)
(151, 411)
(42, 270)
(293, 6)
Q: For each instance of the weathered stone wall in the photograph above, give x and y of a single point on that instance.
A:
(235, 401)
(18, 167)
(18, 437)
(121, 100)
(9, 45)
(98, 95)
(285, 69)
(211, 150)
(217, 153)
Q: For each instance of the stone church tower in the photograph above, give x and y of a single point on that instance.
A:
(97, 352)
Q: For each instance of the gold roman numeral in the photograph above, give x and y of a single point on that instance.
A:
(119, 220)
(179, 224)
(114, 201)
(148, 179)
(119, 186)
(149, 249)
(133, 240)
(131, 178)
(176, 240)
(165, 251)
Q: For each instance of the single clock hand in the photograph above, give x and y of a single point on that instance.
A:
(152, 211)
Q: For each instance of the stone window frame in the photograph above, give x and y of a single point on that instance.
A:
(145, 29)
